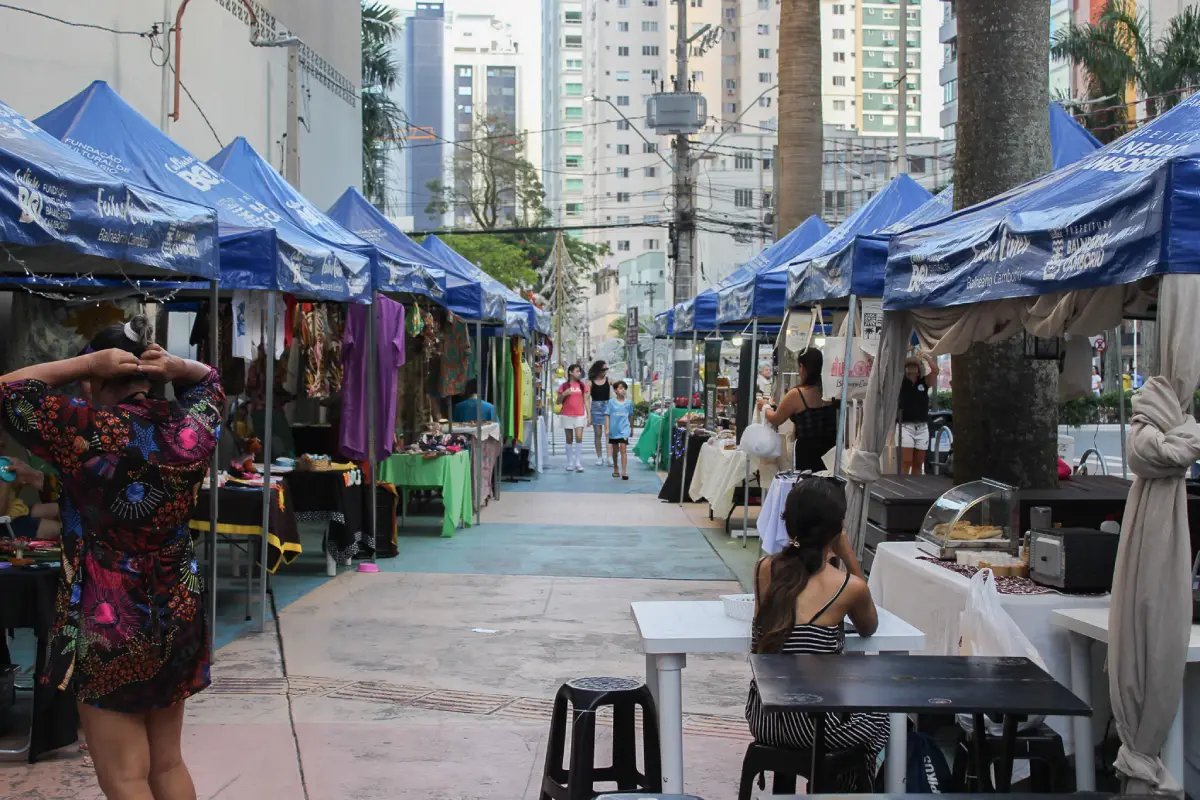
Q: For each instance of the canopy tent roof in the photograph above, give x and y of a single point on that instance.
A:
(1069, 142)
(761, 296)
(90, 221)
(1125, 212)
(521, 316)
(408, 268)
(700, 312)
(829, 270)
(664, 323)
(258, 248)
(355, 257)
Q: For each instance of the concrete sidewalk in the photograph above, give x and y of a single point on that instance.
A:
(433, 679)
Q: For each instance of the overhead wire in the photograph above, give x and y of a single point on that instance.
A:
(74, 24)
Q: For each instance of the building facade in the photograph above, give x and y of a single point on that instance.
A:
(236, 89)
(424, 106)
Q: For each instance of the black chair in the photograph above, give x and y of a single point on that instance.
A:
(586, 696)
(644, 796)
(739, 498)
(786, 765)
(1049, 770)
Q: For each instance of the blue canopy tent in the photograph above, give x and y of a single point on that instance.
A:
(518, 312)
(63, 215)
(357, 258)
(827, 270)
(408, 269)
(761, 297)
(1069, 142)
(1069, 255)
(260, 249)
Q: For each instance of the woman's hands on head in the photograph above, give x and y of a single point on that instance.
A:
(112, 363)
(158, 364)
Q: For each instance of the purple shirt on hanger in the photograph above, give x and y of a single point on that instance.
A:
(390, 339)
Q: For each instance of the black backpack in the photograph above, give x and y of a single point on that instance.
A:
(928, 772)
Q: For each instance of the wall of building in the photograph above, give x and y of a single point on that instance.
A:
(424, 106)
(241, 89)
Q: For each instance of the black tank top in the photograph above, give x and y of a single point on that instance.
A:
(600, 391)
(816, 433)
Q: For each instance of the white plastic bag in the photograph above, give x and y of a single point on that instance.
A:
(986, 629)
(760, 439)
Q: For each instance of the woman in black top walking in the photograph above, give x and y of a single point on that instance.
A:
(815, 420)
(914, 413)
(600, 390)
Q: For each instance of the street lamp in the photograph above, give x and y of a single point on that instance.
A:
(591, 98)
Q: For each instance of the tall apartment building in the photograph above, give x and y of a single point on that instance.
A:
(621, 51)
(425, 108)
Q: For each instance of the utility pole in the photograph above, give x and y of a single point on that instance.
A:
(558, 295)
(902, 100)
(685, 223)
(292, 144)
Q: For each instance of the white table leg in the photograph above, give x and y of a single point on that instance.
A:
(652, 677)
(670, 719)
(896, 754)
(1173, 748)
(1081, 685)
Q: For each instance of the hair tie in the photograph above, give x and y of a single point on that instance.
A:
(130, 333)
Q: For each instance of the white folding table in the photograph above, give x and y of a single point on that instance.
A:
(1085, 625)
(671, 629)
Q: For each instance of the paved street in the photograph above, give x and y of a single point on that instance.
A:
(433, 679)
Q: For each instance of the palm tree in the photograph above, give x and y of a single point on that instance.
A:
(800, 120)
(382, 120)
(1119, 51)
(1003, 69)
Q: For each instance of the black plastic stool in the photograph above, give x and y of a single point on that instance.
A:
(786, 765)
(644, 796)
(586, 696)
(1049, 770)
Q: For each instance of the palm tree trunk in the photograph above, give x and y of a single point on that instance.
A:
(800, 123)
(1005, 406)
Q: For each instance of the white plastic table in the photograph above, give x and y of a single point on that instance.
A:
(673, 628)
(1084, 626)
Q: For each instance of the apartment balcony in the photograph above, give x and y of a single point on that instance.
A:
(948, 72)
(948, 30)
(949, 114)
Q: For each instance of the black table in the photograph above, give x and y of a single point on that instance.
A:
(893, 683)
(27, 599)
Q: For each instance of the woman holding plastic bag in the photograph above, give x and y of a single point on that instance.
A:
(814, 418)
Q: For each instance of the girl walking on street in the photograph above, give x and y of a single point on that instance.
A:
(573, 397)
(598, 388)
(619, 410)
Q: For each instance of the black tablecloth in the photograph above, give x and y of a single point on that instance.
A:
(240, 514)
(27, 601)
(675, 475)
(338, 499)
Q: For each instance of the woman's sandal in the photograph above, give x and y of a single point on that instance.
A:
(616, 474)
(87, 759)
(624, 477)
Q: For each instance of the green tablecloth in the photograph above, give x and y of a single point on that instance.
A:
(655, 440)
(451, 474)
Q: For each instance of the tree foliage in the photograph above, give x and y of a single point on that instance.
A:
(492, 183)
(1120, 51)
(497, 255)
(382, 120)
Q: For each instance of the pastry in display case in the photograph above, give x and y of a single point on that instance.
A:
(975, 516)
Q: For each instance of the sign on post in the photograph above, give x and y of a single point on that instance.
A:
(631, 326)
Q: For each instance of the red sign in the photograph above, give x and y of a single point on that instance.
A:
(1101, 345)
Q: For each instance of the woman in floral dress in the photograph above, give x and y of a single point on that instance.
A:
(130, 639)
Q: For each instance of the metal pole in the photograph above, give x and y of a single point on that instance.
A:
(373, 414)
(750, 394)
(1121, 400)
(691, 386)
(268, 436)
(478, 418)
(214, 479)
(902, 98)
(841, 427)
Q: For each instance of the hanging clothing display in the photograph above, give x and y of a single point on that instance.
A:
(520, 397)
(44, 330)
(389, 357)
(321, 328)
(456, 358)
(526, 390)
(335, 321)
(233, 370)
(250, 325)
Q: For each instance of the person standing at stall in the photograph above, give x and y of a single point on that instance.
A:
(914, 412)
(600, 391)
(130, 639)
(815, 420)
(572, 395)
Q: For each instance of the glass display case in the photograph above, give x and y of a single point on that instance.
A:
(980, 515)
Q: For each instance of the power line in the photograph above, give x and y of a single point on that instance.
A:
(73, 24)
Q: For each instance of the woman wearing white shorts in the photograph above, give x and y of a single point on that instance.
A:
(574, 415)
(914, 413)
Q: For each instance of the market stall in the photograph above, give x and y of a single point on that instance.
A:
(449, 473)
(1027, 262)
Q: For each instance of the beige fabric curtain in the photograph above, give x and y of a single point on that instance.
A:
(1151, 613)
(862, 467)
